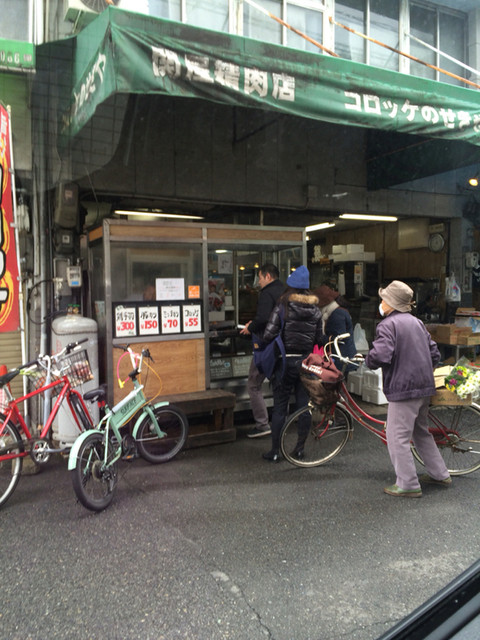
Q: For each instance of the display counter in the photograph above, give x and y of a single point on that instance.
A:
(182, 289)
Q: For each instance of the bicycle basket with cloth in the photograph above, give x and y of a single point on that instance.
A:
(321, 378)
(76, 366)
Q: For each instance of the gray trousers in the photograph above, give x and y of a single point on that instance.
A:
(407, 420)
(257, 401)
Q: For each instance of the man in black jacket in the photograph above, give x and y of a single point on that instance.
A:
(270, 290)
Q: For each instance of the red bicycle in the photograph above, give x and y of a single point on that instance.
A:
(53, 376)
(316, 433)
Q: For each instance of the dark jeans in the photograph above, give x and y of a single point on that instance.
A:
(282, 390)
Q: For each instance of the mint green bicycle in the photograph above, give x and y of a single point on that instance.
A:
(158, 435)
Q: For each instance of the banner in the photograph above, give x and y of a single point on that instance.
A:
(123, 52)
(9, 286)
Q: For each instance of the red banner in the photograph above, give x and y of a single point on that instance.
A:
(9, 307)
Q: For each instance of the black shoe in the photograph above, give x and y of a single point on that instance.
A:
(299, 453)
(272, 456)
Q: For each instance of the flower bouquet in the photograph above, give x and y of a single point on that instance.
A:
(464, 379)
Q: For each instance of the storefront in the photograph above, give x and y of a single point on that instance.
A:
(182, 290)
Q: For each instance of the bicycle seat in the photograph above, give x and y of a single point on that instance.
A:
(95, 394)
(5, 379)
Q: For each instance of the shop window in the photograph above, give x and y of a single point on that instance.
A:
(307, 21)
(259, 26)
(136, 269)
(169, 9)
(209, 14)
(351, 13)
(11, 27)
(452, 42)
(384, 28)
(423, 25)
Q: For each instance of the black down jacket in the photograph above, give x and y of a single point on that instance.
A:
(302, 323)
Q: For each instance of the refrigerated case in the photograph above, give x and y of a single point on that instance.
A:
(182, 289)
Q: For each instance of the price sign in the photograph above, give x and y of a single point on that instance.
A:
(148, 321)
(125, 322)
(192, 318)
(171, 319)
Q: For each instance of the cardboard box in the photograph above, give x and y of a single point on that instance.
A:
(445, 397)
(339, 248)
(440, 374)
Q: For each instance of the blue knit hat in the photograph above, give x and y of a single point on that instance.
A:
(299, 279)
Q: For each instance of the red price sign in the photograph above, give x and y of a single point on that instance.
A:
(192, 318)
(171, 319)
(148, 320)
(125, 322)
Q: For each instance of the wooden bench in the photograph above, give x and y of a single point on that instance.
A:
(210, 416)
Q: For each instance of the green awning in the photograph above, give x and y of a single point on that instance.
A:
(124, 52)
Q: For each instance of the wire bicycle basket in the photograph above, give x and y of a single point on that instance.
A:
(76, 366)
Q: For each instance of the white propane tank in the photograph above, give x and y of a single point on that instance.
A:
(73, 328)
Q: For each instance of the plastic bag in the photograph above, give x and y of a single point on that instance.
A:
(360, 338)
(452, 290)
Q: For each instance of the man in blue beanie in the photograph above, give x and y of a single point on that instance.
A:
(302, 329)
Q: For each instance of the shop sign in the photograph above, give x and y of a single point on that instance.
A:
(137, 319)
(17, 55)
(9, 284)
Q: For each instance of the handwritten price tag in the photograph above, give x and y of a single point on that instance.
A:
(148, 321)
(125, 322)
(171, 319)
(192, 318)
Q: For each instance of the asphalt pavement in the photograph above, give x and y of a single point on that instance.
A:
(219, 544)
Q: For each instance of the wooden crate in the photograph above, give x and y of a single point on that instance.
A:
(445, 397)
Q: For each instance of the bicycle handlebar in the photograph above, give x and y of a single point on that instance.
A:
(357, 359)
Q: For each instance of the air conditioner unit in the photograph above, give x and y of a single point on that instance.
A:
(85, 10)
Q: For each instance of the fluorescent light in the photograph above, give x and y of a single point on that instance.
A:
(221, 250)
(366, 216)
(321, 225)
(155, 214)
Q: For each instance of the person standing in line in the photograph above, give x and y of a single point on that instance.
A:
(336, 321)
(302, 329)
(271, 288)
(407, 355)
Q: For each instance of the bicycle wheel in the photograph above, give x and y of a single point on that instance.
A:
(11, 468)
(312, 435)
(94, 482)
(84, 419)
(174, 426)
(456, 430)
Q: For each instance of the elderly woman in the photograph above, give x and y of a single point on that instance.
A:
(336, 320)
(407, 355)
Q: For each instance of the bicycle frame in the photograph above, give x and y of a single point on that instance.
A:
(13, 413)
(359, 415)
(115, 418)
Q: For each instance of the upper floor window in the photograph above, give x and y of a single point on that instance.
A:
(14, 23)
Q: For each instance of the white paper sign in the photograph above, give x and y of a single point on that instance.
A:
(148, 321)
(171, 319)
(125, 322)
(192, 318)
(170, 288)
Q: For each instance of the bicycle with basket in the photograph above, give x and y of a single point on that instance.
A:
(53, 378)
(159, 433)
(316, 433)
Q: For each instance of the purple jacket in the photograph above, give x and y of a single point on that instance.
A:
(407, 355)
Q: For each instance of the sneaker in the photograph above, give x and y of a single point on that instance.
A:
(258, 433)
(393, 490)
(272, 456)
(429, 480)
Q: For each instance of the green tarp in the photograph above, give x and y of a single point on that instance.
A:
(124, 52)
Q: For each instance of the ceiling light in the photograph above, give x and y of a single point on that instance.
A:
(321, 225)
(155, 214)
(366, 216)
(473, 181)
